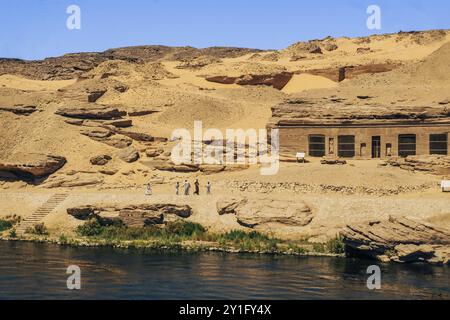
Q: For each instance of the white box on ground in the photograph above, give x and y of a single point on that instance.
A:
(445, 185)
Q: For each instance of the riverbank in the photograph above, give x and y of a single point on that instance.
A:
(177, 236)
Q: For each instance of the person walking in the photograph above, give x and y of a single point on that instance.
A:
(149, 190)
(177, 189)
(208, 188)
(197, 188)
(187, 187)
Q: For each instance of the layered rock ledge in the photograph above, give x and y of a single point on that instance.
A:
(32, 165)
(398, 239)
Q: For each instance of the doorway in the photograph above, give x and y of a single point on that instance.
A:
(376, 147)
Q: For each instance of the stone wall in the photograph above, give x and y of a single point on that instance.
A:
(295, 139)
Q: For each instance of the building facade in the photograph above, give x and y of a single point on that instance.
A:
(365, 141)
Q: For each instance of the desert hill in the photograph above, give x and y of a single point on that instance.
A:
(80, 106)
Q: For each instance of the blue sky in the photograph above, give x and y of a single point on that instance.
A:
(35, 29)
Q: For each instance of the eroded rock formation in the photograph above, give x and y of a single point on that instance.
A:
(398, 239)
(132, 215)
(32, 165)
(434, 164)
(255, 212)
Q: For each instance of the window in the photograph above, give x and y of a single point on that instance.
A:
(346, 146)
(439, 144)
(406, 145)
(316, 145)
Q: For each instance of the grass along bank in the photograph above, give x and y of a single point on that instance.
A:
(178, 235)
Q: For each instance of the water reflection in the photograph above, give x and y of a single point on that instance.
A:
(32, 271)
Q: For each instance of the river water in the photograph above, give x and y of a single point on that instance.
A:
(38, 271)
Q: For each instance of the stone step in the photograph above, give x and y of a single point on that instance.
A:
(47, 208)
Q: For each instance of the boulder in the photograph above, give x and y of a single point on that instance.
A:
(154, 152)
(32, 165)
(230, 205)
(434, 164)
(118, 141)
(100, 160)
(120, 123)
(138, 218)
(82, 213)
(93, 96)
(109, 172)
(73, 181)
(19, 110)
(330, 46)
(97, 133)
(92, 112)
(332, 160)
(252, 213)
(132, 215)
(137, 136)
(211, 169)
(398, 239)
(129, 154)
(169, 166)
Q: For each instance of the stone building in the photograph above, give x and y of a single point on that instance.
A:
(367, 132)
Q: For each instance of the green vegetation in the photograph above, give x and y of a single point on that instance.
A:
(336, 245)
(180, 234)
(8, 222)
(5, 225)
(38, 229)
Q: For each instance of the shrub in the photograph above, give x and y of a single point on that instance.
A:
(8, 222)
(5, 225)
(336, 245)
(38, 229)
(90, 229)
(13, 233)
(185, 229)
(63, 239)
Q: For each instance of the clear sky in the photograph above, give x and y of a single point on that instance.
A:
(35, 29)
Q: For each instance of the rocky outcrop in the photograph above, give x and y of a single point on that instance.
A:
(398, 239)
(137, 136)
(132, 215)
(129, 154)
(332, 160)
(154, 152)
(100, 160)
(334, 110)
(19, 110)
(276, 80)
(73, 181)
(198, 62)
(32, 165)
(435, 164)
(252, 213)
(349, 72)
(92, 112)
(121, 123)
(93, 96)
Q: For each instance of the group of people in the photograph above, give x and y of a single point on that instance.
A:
(186, 188)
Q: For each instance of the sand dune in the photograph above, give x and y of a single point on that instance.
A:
(20, 83)
(304, 82)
